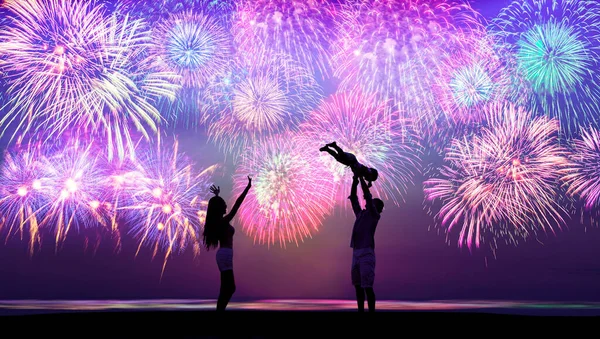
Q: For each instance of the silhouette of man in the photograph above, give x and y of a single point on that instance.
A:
(363, 244)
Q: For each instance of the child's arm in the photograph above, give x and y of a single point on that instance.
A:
(238, 202)
(354, 197)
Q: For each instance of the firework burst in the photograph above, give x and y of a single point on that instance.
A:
(504, 182)
(356, 122)
(76, 175)
(194, 46)
(302, 29)
(470, 79)
(26, 191)
(393, 48)
(154, 11)
(69, 65)
(168, 202)
(292, 191)
(259, 99)
(582, 177)
(555, 46)
(119, 187)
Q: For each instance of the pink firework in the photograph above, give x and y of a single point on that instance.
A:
(258, 99)
(25, 191)
(582, 176)
(358, 124)
(291, 193)
(77, 191)
(393, 48)
(69, 66)
(119, 186)
(300, 28)
(503, 183)
(167, 204)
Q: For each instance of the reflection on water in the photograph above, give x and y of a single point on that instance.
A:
(288, 305)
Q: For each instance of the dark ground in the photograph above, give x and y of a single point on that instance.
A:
(289, 324)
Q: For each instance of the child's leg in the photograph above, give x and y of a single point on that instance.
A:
(336, 147)
(334, 154)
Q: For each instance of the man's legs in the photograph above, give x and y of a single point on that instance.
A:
(367, 276)
(370, 298)
(360, 292)
(360, 298)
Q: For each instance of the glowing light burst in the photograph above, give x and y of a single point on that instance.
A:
(303, 29)
(471, 78)
(582, 176)
(555, 44)
(76, 179)
(169, 200)
(393, 48)
(153, 11)
(194, 46)
(69, 65)
(258, 99)
(119, 186)
(25, 191)
(357, 123)
(291, 191)
(503, 183)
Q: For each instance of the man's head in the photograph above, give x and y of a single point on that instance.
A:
(378, 204)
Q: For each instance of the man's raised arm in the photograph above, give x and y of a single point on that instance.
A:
(368, 197)
(354, 197)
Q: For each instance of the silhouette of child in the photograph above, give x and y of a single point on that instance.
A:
(349, 159)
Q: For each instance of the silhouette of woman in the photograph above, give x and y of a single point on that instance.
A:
(218, 232)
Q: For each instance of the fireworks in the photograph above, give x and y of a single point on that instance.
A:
(504, 182)
(393, 48)
(555, 45)
(356, 122)
(68, 65)
(582, 177)
(260, 99)
(167, 202)
(302, 29)
(119, 186)
(154, 11)
(192, 45)
(75, 179)
(471, 78)
(25, 191)
(291, 192)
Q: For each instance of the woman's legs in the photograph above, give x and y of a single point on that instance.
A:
(227, 289)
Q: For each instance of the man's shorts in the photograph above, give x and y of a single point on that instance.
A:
(225, 259)
(363, 267)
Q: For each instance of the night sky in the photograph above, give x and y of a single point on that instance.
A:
(414, 262)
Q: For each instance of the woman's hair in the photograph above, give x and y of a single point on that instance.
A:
(212, 225)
